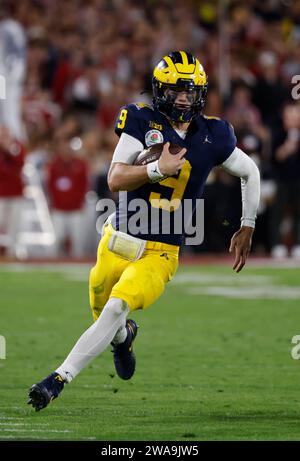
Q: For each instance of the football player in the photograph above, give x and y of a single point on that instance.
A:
(131, 272)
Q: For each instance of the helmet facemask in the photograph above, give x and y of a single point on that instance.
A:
(164, 97)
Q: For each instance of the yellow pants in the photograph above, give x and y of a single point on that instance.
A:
(138, 283)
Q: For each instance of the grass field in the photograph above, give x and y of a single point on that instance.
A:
(213, 358)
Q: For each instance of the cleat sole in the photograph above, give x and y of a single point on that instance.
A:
(38, 399)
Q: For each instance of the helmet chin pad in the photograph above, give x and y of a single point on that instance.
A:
(183, 115)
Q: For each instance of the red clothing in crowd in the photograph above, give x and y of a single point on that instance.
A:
(11, 164)
(107, 114)
(67, 183)
(64, 76)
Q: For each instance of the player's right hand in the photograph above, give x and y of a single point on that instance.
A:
(241, 245)
(169, 164)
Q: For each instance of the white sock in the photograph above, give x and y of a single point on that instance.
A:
(121, 334)
(95, 339)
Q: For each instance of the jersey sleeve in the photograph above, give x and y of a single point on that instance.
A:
(225, 141)
(130, 122)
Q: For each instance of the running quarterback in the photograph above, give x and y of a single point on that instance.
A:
(133, 268)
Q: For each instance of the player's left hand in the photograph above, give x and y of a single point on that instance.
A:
(241, 244)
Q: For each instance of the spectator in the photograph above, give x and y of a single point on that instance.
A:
(12, 67)
(286, 163)
(241, 111)
(12, 155)
(269, 92)
(67, 186)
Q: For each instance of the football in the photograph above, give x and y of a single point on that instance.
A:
(154, 152)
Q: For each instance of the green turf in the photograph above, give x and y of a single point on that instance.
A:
(209, 367)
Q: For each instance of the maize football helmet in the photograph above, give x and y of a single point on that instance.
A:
(179, 71)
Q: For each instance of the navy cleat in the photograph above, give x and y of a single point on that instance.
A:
(41, 394)
(124, 357)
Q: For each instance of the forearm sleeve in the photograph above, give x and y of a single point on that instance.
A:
(241, 165)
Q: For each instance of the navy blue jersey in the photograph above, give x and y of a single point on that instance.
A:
(209, 142)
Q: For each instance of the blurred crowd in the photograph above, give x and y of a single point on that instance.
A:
(71, 65)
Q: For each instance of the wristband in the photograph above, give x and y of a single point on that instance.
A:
(154, 172)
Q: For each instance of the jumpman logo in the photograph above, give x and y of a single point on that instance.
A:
(207, 140)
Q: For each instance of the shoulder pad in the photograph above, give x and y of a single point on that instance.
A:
(142, 105)
(211, 117)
